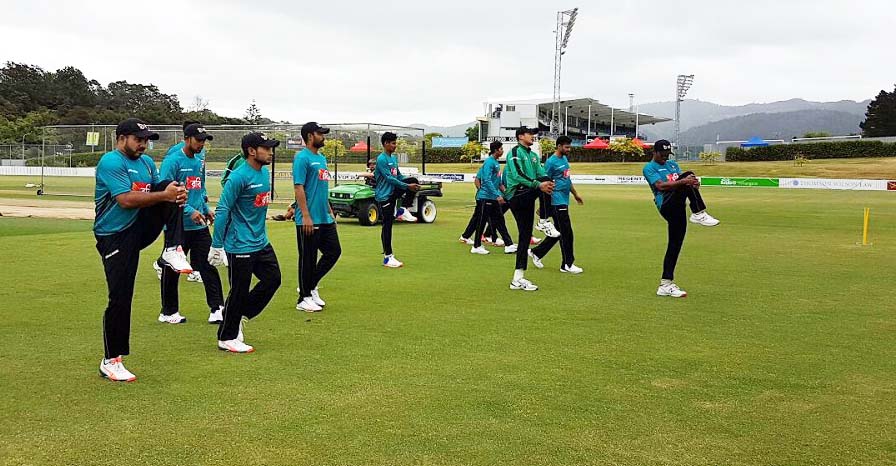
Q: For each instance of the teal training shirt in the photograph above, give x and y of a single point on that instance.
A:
(387, 177)
(310, 171)
(189, 171)
(242, 210)
(489, 180)
(654, 172)
(558, 169)
(117, 174)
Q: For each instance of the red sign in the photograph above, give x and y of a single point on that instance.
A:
(263, 199)
(194, 182)
(891, 185)
(142, 187)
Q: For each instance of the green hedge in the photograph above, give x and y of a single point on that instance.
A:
(579, 154)
(445, 155)
(816, 150)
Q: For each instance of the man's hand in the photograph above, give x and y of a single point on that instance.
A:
(501, 200)
(197, 218)
(414, 187)
(692, 181)
(579, 200)
(290, 213)
(217, 257)
(210, 217)
(307, 225)
(174, 192)
(546, 187)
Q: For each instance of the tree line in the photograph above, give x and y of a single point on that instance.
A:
(31, 97)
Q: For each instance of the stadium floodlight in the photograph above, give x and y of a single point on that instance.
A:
(565, 21)
(683, 84)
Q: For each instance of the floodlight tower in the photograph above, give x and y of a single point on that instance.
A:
(684, 83)
(565, 20)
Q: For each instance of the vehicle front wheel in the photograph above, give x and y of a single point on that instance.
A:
(369, 213)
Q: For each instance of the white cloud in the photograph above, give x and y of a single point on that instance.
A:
(409, 62)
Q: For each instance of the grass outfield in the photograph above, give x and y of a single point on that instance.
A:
(784, 352)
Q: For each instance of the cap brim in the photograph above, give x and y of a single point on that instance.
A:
(323, 130)
(147, 134)
(204, 137)
(270, 143)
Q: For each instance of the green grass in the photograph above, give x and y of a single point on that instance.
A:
(784, 352)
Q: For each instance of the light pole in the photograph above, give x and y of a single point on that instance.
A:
(588, 133)
(565, 20)
(683, 83)
(566, 120)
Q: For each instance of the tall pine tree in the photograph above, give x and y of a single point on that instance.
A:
(880, 119)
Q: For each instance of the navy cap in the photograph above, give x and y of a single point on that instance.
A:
(257, 140)
(313, 127)
(135, 127)
(662, 146)
(197, 131)
(525, 130)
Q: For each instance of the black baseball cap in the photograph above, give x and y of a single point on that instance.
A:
(313, 127)
(525, 130)
(257, 140)
(135, 127)
(662, 146)
(197, 131)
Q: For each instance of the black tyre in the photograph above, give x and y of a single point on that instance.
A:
(369, 213)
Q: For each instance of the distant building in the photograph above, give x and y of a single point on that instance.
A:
(502, 117)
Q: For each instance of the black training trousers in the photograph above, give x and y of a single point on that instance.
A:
(325, 240)
(489, 228)
(197, 243)
(243, 302)
(490, 211)
(120, 253)
(673, 211)
(387, 210)
(522, 205)
(564, 225)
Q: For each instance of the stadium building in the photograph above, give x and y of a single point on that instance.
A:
(581, 118)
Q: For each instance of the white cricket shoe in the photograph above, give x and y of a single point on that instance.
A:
(465, 240)
(157, 268)
(315, 296)
(175, 258)
(533, 241)
(216, 316)
(498, 243)
(535, 260)
(540, 226)
(480, 250)
(194, 277)
(175, 318)
(407, 217)
(392, 262)
(573, 269)
(671, 290)
(113, 369)
(704, 219)
(510, 249)
(523, 284)
(234, 346)
(239, 334)
(308, 305)
(550, 230)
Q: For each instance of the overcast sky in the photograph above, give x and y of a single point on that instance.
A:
(415, 62)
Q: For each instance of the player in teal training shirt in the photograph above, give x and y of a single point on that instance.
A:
(241, 240)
